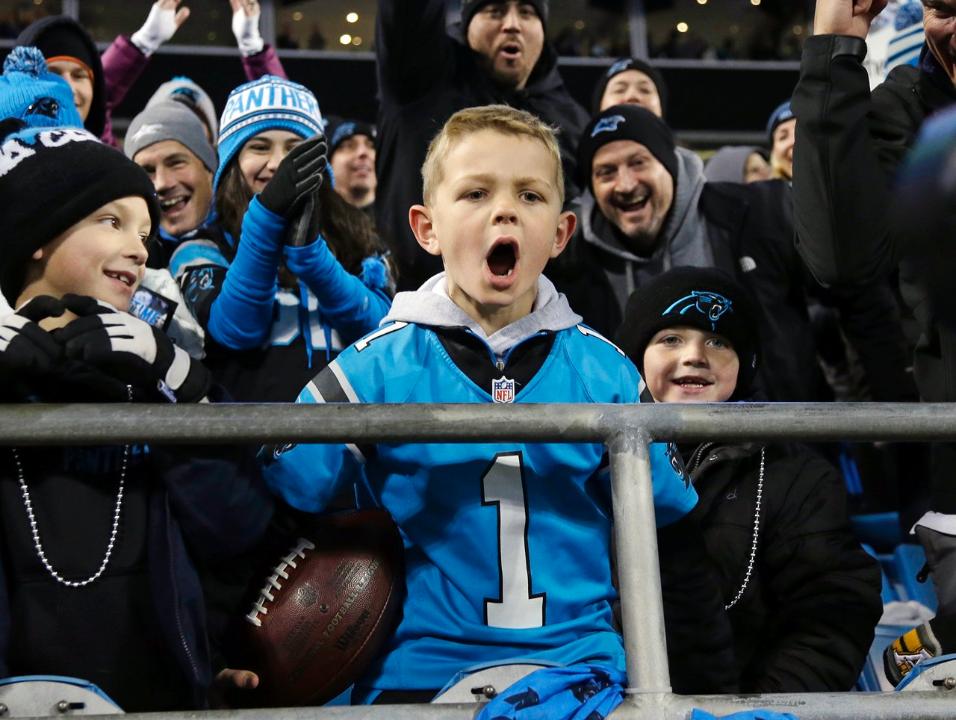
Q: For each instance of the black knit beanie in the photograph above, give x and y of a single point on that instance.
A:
(470, 7)
(339, 130)
(50, 179)
(623, 65)
(707, 299)
(626, 122)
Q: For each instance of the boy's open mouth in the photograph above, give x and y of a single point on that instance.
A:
(503, 258)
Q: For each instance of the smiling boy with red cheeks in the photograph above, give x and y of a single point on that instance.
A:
(774, 516)
(91, 537)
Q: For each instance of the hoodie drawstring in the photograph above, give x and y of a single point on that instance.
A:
(305, 325)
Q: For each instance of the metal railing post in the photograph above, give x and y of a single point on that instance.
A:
(639, 576)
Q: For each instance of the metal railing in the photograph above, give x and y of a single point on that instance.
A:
(626, 430)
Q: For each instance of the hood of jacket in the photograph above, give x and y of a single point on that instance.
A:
(96, 120)
(431, 306)
(544, 76)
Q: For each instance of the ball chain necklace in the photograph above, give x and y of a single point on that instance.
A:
(35, 529)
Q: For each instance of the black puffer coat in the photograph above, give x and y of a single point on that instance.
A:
(804, 620)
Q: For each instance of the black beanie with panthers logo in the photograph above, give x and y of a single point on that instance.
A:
(706, 299)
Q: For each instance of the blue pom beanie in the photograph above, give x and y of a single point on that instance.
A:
(269, 103)
(31, 93)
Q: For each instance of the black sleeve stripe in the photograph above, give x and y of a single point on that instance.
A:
(331, 386)
(326, 386)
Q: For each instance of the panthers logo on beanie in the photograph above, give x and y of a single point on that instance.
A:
(608, 124)
(709, 304)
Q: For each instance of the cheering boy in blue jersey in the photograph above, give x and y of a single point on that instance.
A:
(506, 544)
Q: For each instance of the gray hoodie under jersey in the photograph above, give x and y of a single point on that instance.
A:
(683, 238)
(431, 306)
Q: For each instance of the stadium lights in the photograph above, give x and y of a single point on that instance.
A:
(352, 17)
(345, 39)
(682, 27)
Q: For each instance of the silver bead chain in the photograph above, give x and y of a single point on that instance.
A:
(753, 543)
(35, 530)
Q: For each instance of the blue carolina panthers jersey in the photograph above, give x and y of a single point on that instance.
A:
(506, 544)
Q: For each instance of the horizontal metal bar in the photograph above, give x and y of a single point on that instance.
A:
(650, 706)
(806, 706)
(369, 55)
(39, 424)
(719, 138)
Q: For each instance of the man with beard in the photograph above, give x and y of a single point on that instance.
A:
(352, 158)
(427, 72)
(647, 209)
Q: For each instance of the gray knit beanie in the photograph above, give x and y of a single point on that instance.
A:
(170, 120)
(183, 90)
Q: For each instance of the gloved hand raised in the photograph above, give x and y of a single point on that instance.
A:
(245, 26)
(164, 19)
(299, 174)
(131, 350)
(26, 349)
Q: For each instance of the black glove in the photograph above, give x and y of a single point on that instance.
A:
(298, 176)
(26, 349)
(131, 350)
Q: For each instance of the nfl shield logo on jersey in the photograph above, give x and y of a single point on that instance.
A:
(503, 390)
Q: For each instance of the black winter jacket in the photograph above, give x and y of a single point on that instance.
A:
(804, 621)
(847, 152)
(194, 505)
(424, 76)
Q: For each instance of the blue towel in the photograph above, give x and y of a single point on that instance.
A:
(575, 692)
(744, 715)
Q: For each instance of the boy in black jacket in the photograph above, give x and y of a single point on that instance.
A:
(98, 545)
(802, 595)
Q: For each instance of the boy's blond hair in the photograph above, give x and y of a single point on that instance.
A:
(500, 118)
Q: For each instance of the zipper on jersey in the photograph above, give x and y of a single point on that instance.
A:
(501, 361)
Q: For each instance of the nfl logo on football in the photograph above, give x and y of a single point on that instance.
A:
(503, 390)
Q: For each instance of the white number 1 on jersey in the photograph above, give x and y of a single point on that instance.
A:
(502, 485)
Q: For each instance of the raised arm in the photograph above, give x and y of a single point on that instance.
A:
(258, 58)
(126, 57)
(413, 48)
(841, 188)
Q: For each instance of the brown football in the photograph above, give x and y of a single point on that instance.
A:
(326, 610)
